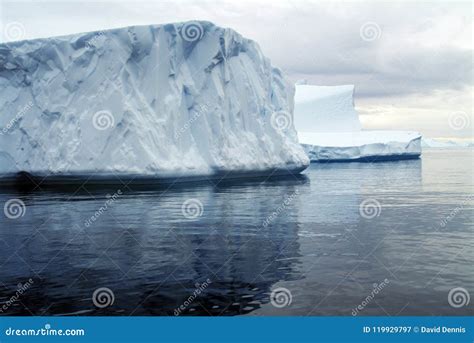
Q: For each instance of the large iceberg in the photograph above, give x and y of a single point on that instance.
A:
(177, 100)
(329, 129)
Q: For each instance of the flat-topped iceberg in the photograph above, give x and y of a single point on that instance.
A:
(326, 109)
(175, 100)
(365, 146)
(439, 143)
(330, 131)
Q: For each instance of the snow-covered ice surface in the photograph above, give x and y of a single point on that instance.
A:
(175, 100)
(329, 129)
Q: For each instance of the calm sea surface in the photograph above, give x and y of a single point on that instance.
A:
(391, 238)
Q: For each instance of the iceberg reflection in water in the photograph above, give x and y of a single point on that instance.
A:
(309, 235)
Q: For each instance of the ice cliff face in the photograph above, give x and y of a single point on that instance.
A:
(325, 109)
(155, 101)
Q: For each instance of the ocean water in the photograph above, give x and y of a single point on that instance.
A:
(392, 238)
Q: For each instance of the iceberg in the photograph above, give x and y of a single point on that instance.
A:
(148, 102)
(326, 109)
(330, 131)
(363, 146)
(433, 143)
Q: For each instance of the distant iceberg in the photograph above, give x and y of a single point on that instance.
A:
(434, 143)
(329, 129)
(176, 100)
(365, 146)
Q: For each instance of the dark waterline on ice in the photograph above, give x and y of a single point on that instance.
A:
(305, 234)
(372, 159)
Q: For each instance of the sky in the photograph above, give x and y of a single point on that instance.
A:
(411, 62)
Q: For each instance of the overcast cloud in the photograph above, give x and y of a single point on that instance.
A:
(411, 63)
